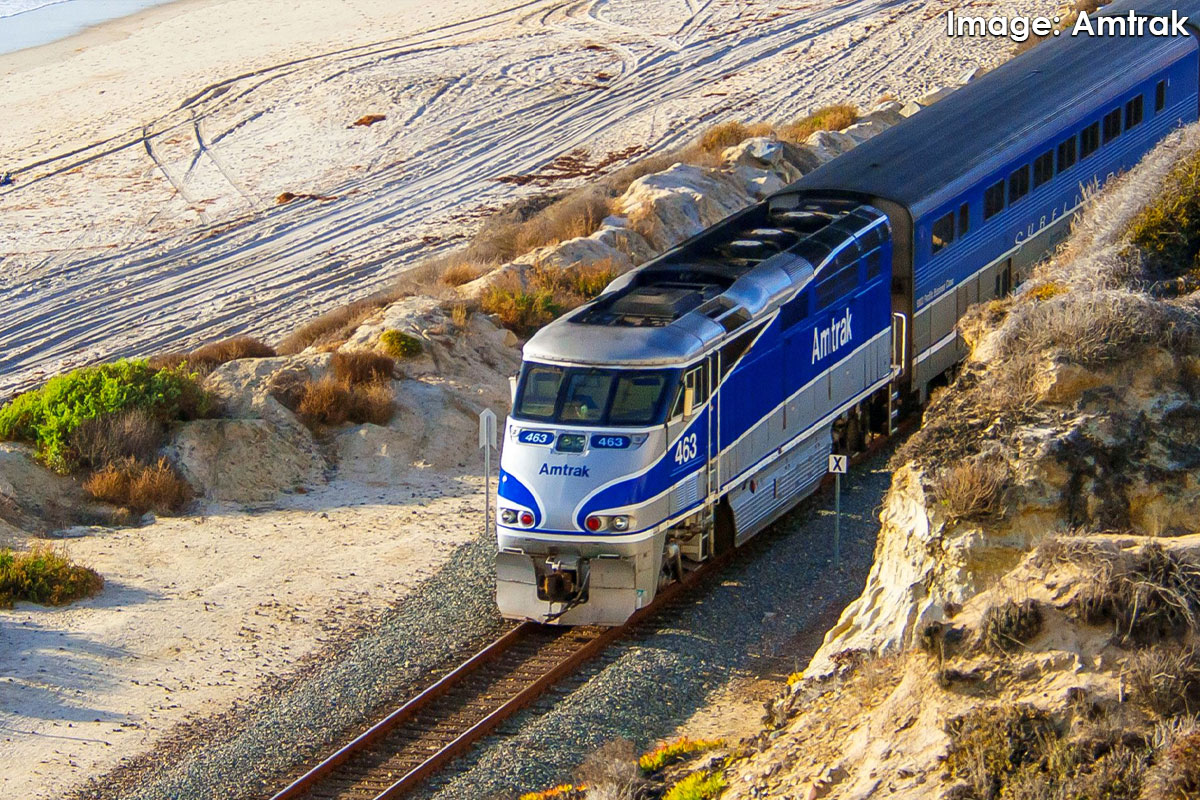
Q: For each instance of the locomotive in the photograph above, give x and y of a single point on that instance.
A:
(698, 398)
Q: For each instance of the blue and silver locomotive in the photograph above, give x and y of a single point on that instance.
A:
(699, 397)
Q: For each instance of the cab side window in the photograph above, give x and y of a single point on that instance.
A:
(695, 379)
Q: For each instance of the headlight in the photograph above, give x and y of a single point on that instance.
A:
(508, 516)
(619, 523)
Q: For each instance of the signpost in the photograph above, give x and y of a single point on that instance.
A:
(487, 443)
(837, 465)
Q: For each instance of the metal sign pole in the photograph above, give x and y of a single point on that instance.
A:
(837, 521)
(837, 465)
(487, 441)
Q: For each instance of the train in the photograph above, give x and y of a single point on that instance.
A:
(699, 397)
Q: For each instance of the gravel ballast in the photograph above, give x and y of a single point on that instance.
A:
(772, 596)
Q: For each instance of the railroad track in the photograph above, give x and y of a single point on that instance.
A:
(441, 723)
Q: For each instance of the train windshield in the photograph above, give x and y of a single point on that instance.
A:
(585, 396)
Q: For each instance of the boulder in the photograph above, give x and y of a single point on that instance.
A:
(828, 145)
(243, 460)
(670, 206)
(35, 500)
(243, 386)
(761, 154)
(413, 315)
(887, 112)
(862, 131)
(940, 93)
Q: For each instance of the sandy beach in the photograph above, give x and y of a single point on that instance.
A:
(147, 155)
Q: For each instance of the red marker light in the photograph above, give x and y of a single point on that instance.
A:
(526, 518)
(593, 523)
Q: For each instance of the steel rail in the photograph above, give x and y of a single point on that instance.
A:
(527, 695)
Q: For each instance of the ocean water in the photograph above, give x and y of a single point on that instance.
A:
(29, 23)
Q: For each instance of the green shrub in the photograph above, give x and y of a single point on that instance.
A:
(546, 293)
(399, 344)
(47, 416)
(44, 575)
(702, 785)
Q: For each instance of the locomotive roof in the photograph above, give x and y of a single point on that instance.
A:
(929, 158)
(713, 286)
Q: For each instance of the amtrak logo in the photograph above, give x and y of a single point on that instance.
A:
(570, 472)
(827, 341)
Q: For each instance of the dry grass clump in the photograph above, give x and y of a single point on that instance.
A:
(336, 326)
(544, 294)
(239, 347)
(140, 487)
(1094, 328)
(372, 402)
(972, 489)
(611, 773)
(399, 344)
(508, 236)
(1151, 596)
(331, 402)
(44, 575)
(828, 118)
(1165, 679)
(1176, 775)
(719, 137)
(206, 358)
(133, 434)
(1008, 626)
(456, 274)
(1020, 753)
(362, 366)
(989, 746)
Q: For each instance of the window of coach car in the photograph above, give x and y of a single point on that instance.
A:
(580, 395)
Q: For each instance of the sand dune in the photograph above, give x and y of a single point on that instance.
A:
(144, 218)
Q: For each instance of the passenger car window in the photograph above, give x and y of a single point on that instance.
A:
(1089, 140)
(1018, 184)
(942, 232)
(1112, 124)
(993, 200)
(1043, 168)
(964, 220)
(1160, 96)
(1066, 154)
(1133, 112)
